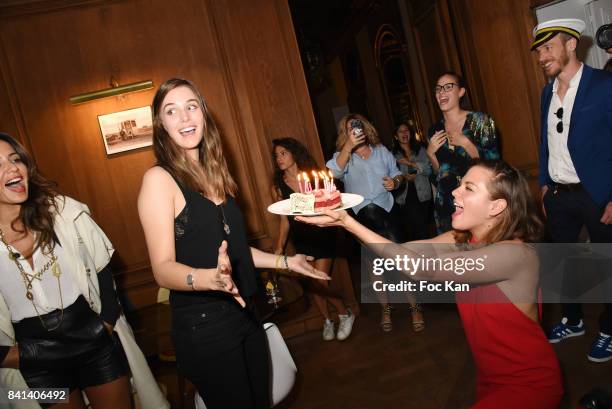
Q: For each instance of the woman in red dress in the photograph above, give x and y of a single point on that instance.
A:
(495, 218)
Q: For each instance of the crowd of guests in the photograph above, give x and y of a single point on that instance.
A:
(61, 325)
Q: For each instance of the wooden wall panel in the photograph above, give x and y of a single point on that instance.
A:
(436, 50)
(509, 76)
(249, 73)
(269, 86)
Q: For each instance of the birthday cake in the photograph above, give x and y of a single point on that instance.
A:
(315, 200)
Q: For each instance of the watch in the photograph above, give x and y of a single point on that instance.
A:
(190, 281)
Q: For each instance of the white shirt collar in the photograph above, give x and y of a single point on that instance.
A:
(574, 82)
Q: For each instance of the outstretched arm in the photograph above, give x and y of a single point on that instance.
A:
(298, 263)
(488, 264)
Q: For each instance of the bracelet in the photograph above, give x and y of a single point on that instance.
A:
(190, 279)
(277, 262)
(286, 262)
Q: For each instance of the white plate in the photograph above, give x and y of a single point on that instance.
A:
(283, 207)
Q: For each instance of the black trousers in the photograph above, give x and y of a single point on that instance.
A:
(377, 219)
(567, 211)
(222, 349)
(415, 215)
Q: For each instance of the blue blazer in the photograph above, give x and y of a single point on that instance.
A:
(590, 134)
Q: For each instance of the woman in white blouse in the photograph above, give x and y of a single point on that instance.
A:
(60, 321)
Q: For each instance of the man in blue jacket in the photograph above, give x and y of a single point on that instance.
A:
(575, 159)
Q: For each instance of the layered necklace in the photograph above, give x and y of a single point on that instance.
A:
(28, 278)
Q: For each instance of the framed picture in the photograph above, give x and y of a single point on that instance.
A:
(126, 130)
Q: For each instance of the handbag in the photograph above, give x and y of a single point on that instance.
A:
(283, 369)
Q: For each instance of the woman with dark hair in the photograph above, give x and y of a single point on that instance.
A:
(290, 158)
(58, 305)
(460, 137)
(494, 220)
(197, 242)
(366, 167)
(414, 197)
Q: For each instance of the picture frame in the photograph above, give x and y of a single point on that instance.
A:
(126, 130)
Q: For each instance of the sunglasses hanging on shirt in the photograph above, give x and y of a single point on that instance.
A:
(559, 114)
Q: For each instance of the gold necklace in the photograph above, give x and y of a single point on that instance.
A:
(28, 279)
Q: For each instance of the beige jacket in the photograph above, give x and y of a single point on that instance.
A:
(90, 251)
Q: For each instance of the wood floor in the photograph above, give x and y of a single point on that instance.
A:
(429, 370)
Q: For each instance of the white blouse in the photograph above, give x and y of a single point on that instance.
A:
(45, 291)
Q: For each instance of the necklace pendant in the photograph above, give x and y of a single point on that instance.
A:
(226, 228)
(13, 256)
(29, 295)
(56, 270)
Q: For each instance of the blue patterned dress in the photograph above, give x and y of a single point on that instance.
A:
(479, 127)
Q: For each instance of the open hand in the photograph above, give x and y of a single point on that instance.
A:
(327, 219)
(300, 264)
(221, 279)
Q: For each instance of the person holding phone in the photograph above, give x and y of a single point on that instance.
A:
(458, 138)
(368, 168)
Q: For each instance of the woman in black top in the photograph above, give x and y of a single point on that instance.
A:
(291, 157)
(197, 244)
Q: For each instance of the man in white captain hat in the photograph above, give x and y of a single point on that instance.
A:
(575, 159)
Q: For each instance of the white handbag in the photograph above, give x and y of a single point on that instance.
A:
(283, 369)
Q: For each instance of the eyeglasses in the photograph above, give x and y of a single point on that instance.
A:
(559, 114)
(446, 87)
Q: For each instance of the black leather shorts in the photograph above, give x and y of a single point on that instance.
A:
(79, 354)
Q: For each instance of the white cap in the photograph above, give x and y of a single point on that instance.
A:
(548, 29)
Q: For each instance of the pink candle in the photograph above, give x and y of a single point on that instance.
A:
(316, 180)
(333, 185)
(325, 181)
(299, 179)
(307, 187)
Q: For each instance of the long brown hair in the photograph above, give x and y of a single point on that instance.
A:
(301, 156)
(369, 131)
(520, 220)
(212, 177)
(36, 213)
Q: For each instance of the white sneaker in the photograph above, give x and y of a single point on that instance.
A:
(328, 330)
(345, 327)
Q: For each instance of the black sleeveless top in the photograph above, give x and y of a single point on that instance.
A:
(198, 233)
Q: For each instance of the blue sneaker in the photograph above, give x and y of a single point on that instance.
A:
(562, 331)
(601, 350)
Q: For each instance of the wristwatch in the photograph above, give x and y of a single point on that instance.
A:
(190, 281)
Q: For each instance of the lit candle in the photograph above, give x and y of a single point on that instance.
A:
(325, 181)
(316, 180)
(299, 179)
(307, 187)
(333, 185)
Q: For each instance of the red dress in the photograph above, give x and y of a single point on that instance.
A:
(516, 366)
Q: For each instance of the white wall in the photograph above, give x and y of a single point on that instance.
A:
(594, 13)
